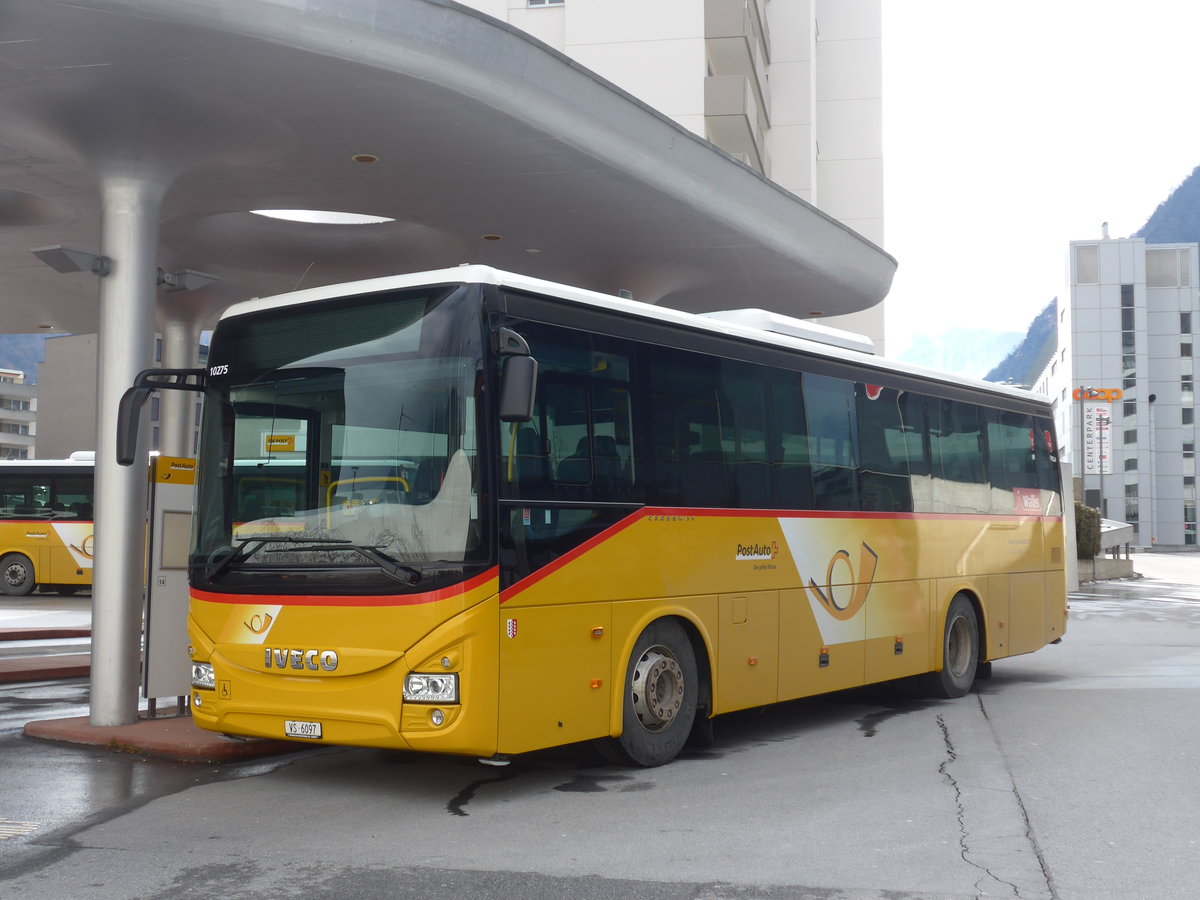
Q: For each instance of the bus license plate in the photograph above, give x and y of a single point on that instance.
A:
(302, 729)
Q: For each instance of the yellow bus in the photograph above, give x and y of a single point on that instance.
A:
(46, 524)
(531, 515)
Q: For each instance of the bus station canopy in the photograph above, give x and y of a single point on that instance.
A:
(145, 132)
(481, 144)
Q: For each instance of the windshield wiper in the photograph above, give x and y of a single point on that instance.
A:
(388, 566)
(250, 546)
(244, 550)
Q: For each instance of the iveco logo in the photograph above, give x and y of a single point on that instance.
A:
(315, 660)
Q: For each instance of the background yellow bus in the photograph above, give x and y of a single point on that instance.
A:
(46, 524)
(529, 515)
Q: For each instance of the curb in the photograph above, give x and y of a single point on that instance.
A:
(45, 668)
(176, 737)
(42, 634)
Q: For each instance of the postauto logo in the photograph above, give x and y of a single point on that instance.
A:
(1104, 395)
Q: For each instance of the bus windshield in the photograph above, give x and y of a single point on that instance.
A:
(339, 446)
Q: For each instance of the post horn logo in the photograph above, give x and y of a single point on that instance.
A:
(859, 584)
(259, 623)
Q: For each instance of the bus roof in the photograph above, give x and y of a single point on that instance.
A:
(731, 323)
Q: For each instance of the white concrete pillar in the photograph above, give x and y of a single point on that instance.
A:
(129, 237)
(177, 417)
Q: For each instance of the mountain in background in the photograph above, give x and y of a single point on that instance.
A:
(963, 351)
(22, 351)
(1025, 363)
(1177, 219)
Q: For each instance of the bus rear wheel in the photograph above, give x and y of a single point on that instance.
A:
(660, 692)
(16, 575)
(960, 652)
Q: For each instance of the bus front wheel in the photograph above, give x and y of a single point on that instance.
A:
(660, 692)
(960, 652)
(16, 575)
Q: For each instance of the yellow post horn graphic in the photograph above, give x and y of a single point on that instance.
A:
(868, 560)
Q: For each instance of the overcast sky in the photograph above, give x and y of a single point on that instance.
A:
(1012, 128)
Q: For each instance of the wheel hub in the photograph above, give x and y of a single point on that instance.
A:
(658, 689)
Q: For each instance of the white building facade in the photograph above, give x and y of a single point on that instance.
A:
(1123, 380)
(792, 88)
(18, 415)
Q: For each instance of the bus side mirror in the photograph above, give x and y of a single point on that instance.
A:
(518, 383)
(129, 410)
(128, 421)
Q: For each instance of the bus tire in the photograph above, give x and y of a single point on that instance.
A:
(659, 705)
(16, 575)
(960, 652)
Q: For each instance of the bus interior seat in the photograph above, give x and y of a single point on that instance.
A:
(609, 471)
(576, 468)
(532, 464)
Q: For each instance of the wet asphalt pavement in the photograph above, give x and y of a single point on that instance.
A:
(1069, 774)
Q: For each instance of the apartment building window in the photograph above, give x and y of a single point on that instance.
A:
(546, 2)
(10, 428)
(1131, 465)
(1187, 416)
(1087, 264)
(1189, 449)
(1185, 323)
(1189, 521)
(1168, 268)
(1186, 388)
(1129, 408)
(1130, 435)
(1185, 349)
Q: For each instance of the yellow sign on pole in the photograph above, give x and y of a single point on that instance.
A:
(174, 469)
(279, 443)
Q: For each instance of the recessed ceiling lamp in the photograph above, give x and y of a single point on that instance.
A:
(817, 312)
(365, 158)
(321, 216)
(493, 237)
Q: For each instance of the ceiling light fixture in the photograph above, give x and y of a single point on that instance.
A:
(65, 259)
(321, 216)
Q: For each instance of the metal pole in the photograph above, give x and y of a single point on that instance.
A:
(129, 236)
(176, 417)
(1103, 423)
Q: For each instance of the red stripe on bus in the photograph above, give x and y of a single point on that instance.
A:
(657, 512)
(349, 600)
(572, 555)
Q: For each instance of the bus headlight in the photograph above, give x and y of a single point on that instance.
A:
(440, 688)
(203, 676)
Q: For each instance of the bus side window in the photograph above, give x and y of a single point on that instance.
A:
(789, 456)
(956, 445)
(1012, 444)
(884, 477)
(832, 441)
